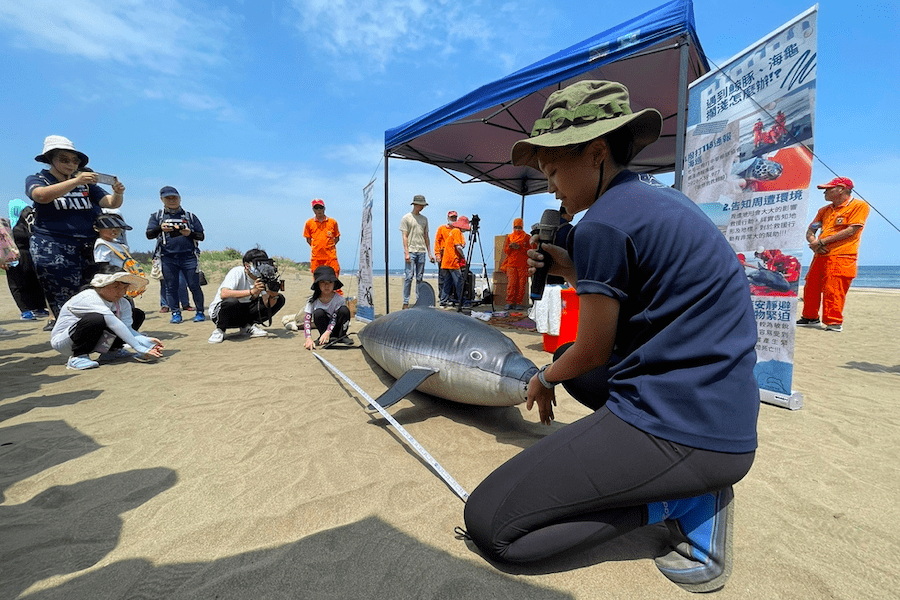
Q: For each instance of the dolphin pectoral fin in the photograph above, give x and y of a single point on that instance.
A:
(424, 295)
(403, 386)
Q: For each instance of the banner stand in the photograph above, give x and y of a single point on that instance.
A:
(794, 401)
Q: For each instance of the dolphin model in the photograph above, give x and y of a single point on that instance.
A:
(770, 279)
(446, 354)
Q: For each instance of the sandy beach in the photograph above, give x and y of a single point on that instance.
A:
(246, 470)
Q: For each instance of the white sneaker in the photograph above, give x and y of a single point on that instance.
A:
(217, 336)
(80, 363)
(257, 331)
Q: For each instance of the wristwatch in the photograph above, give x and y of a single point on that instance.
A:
(543, 380)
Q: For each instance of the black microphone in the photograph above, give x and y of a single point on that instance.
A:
(546, 232)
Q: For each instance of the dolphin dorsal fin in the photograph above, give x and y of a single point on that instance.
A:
(424, 295)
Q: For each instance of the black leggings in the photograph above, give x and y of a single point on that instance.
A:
(234, 314)
(321, 319)
(588, 483)
(86, 333)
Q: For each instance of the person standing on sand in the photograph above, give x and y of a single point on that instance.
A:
(516, 248)
(66, 201)
(322, 235)
(416, 244)
(835, 252)
(442, 232)
(178, 234)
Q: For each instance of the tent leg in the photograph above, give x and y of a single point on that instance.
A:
(387, 268)
(681, 120)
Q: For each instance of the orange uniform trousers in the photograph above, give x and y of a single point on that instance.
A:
(517, 281)
(827, 284)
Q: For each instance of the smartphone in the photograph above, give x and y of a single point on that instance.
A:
(106, 179)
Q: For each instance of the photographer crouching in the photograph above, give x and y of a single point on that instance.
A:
(248, 297)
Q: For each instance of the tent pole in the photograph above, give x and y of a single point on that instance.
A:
(522, 208)
(681, 121)
(387, 268)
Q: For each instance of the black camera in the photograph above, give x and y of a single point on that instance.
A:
(176, 224)
(267, 272)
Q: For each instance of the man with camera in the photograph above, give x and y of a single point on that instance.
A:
(248, 296)
(177, 234)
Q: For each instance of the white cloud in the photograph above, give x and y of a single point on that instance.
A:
(373, 31)
(145, 46)
(163, 36)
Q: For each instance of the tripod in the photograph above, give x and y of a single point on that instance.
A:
(473, 237)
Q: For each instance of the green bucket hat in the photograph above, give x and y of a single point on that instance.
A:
(583, 112)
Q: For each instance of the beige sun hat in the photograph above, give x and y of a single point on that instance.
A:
(58, 142)
(135, 282)
(583, 112)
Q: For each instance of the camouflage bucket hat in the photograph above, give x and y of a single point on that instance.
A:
(583, 112)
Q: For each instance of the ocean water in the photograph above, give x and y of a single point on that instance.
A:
(871, 276)
(867, 276)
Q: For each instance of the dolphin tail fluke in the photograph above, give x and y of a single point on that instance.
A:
(403, 386)
(424, 295)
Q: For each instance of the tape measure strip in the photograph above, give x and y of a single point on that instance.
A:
(454, 485)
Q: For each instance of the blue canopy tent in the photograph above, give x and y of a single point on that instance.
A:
(656, 55)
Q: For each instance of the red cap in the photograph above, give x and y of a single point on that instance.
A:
(318, 202)
(837, 182)
(452, 213)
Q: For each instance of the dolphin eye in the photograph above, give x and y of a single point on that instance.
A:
(475, 355)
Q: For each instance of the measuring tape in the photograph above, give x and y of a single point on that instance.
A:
(458, 489)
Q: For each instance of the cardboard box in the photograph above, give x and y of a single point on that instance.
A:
(499, 241)
(499, 291)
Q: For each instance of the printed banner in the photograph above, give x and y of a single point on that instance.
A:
(365, 306)
(748, 164)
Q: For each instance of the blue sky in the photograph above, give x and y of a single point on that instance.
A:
(252, 109)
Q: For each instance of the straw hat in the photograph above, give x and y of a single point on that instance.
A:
(58, 142)
(583, 112)
(135, 282)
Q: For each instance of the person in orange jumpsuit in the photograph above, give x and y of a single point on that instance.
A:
(322, 234)
(442, 232)
(453, 259)
(833, 266)
(516, 248)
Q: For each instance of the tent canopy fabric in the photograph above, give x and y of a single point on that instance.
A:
(473, 135)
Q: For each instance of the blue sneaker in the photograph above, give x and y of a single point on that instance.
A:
(176, 318)
(80, 363)
(700, 541)
(119, 354)
(199, 317)
(28, 315)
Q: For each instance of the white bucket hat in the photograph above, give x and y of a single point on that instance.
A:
(58, 142)
(135, 282)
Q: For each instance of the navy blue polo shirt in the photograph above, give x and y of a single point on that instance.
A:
(69, 216)
(686, 336)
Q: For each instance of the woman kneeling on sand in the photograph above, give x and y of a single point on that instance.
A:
(664, 355)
